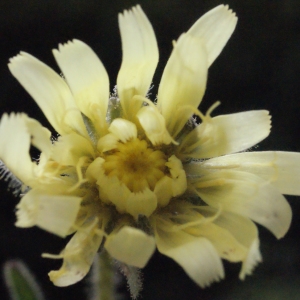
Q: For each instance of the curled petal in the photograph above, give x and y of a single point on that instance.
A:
(39, 136)
(87, 79)
(154, 125)
(17, 131)
(107, 142)
(183, 82)
(112, 190)
(179, 182)
(78, 256)
(124, 130)
(49, 91)
(215, 28)
(226, 134)
(140, 58)
(131, 246)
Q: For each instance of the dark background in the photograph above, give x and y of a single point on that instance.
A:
(258, 69)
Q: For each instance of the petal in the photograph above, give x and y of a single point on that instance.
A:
(131, 246)
(16, 133)
(39, 136)
(248, 195)
(242, 228)
(107, 142)
(280, 168)
(253, 258)
(143, 203)
(54, 213)
(183, 82)
(215, 28)
(246, 233)
(78, 256)
(222, 240)
(111, 190)
(123, 129)
(226, 134)
(87, 79)
(69, 148)
(154, 125)
(196, 255)
(140, 58)
(179, 181)
(49, 91)
(164, 191)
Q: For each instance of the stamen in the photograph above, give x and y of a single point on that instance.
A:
(81, 180)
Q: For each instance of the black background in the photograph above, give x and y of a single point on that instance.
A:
(258, 69)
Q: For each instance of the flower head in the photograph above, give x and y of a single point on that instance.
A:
(129, 175)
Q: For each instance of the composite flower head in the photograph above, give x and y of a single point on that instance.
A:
(128, 175)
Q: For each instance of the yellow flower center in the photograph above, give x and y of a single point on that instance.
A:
(136, 165)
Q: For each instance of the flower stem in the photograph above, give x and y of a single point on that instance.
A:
(106, 274)
(101, 283)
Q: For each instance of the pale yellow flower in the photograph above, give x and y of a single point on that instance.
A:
(129, 175)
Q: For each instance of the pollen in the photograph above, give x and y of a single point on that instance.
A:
(136, 165)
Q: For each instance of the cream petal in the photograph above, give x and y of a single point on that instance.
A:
(246, 233)
(279, 168)
(130, 246)
(215, 28)
(164, 191)
(253, 258)
(142, 203)
(17, 131)
(124, 130)
(87, 79)
(95, 169)
(54, 213)
(242, 228)
(154, 125)
(49, 91)
(78, 256)
(248, 195)
(179, 181)
(226, 134)
(111, 190)
(140, 58)
(27, 210)
(196, 255)
(39, 136)
(222, 240)
(183, 82)
(107, 142)
(69, 148)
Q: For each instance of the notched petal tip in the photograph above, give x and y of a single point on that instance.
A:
(253, 259)
(139, 61)
(215, 27)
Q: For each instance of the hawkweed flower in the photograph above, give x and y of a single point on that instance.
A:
(128, 175)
